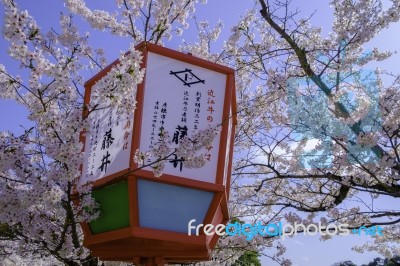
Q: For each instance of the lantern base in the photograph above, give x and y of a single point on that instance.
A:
(123, 233)
(144, 251)
(157, 261)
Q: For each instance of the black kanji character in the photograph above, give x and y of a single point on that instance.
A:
(180, 133)
(175, 162)
(105, 162)
(107, 140)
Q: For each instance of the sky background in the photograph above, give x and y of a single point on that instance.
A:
(303, 250)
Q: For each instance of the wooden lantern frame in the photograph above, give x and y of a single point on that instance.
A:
(172, 246)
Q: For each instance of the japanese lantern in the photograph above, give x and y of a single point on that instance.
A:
(143, 216)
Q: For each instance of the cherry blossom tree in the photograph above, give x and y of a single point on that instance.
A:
(295, 87)
(319, 133)
(39, 168)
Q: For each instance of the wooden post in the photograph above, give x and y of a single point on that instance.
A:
(160, 261)
(150, 262)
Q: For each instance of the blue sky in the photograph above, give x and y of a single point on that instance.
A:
(303, 250)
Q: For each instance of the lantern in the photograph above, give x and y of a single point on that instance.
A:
(144, 217)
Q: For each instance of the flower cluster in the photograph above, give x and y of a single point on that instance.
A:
(190, 149)
(117, 88)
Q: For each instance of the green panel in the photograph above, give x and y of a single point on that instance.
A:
(114, 208)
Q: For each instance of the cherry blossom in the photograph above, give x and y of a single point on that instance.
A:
(317, 138)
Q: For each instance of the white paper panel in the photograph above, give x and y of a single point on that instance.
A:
(108, 143)
(179, 95)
